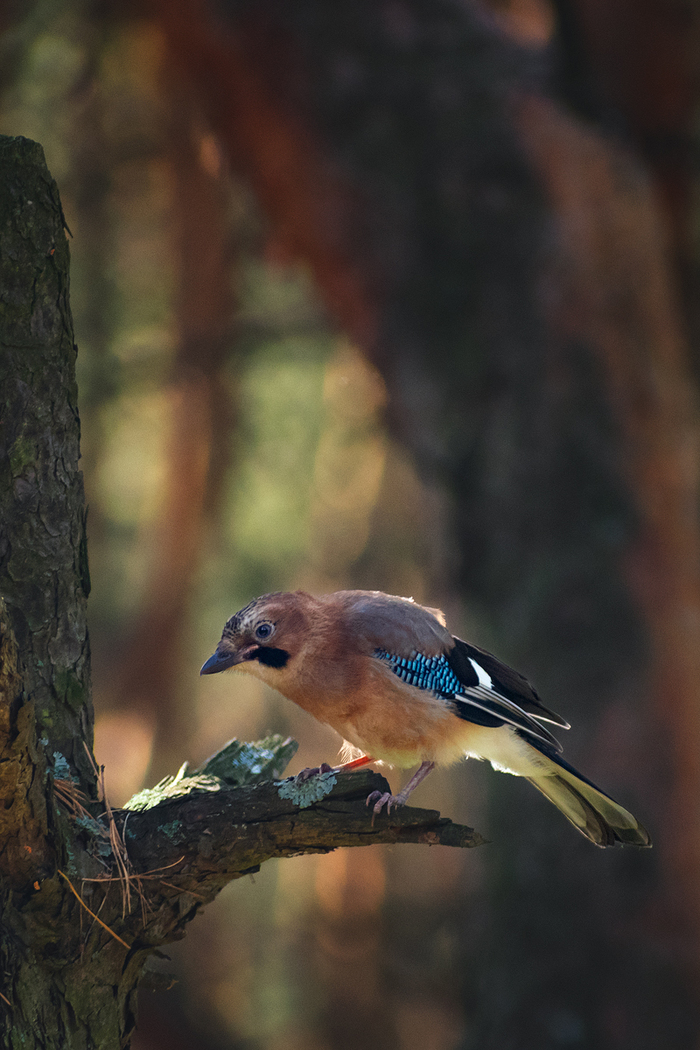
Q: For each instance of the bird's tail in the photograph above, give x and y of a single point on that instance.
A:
(596, 815)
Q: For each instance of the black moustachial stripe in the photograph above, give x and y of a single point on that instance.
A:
(269, 656)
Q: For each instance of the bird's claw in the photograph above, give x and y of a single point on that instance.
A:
(379, 799)
(313, 771)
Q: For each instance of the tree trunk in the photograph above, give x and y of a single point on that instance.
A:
(46, 714)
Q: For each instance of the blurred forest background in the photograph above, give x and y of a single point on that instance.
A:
(397, 294)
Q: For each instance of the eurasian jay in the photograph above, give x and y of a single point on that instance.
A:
(387, 674)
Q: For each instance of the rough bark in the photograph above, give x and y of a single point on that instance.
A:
(43, 562)
(72, 949)
(46, 712)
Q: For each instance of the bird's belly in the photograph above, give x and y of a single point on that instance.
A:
(407, 726)
(412, 726)
(404, 725)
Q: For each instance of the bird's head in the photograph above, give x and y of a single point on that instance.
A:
(262, 637)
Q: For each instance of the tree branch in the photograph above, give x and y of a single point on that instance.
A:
(185, 849)
(220, 835)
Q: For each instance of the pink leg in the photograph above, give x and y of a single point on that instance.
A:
(355, 764)
(380, 800)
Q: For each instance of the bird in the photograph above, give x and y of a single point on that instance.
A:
(387, 674)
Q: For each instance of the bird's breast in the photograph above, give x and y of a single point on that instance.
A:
(373, 709)
(386, 717)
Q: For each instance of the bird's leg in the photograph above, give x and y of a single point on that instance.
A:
(306, 774)
(355, 764)
(385, 799)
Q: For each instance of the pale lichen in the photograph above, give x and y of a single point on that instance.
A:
(304, 793)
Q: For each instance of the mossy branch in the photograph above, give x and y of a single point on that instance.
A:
(195, 832)
(181, 842)
(208, 838)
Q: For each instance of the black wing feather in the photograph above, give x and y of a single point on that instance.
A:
(474, 700)
(506, 681)
(472, 692)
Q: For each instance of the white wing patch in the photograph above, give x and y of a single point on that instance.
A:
(484, 679)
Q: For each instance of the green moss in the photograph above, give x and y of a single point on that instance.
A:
(22, 454)
(239, 763)
(172, 828)
(169, 788)
(70, 688)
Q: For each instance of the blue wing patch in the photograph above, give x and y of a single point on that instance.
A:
(474, 701)
(425, 672)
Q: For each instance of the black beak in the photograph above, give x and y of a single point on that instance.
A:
(219, 662)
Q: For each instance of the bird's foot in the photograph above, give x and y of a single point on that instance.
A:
(314, 771)
(379, 799)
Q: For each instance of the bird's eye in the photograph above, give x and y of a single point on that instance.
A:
(263, 631)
